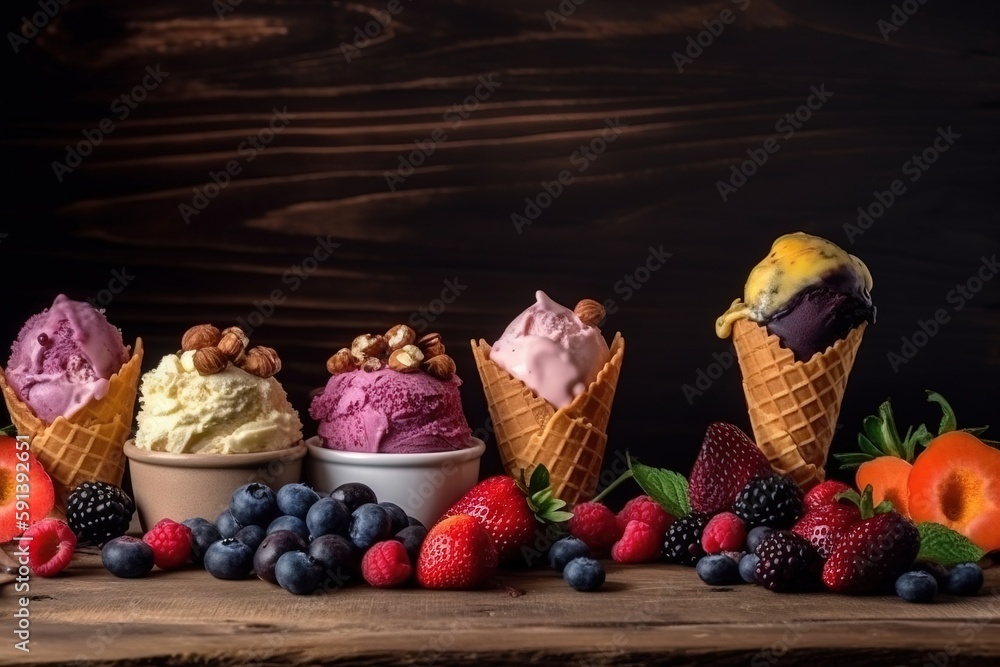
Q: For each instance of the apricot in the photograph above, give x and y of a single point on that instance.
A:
(956, 482)
(888, 477)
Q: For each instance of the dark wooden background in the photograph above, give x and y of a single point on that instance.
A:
(655, 185)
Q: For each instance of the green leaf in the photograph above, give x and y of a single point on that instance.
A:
(975, 430)
(866, 446)
(851, 459)
(539, 479)
(944, 546)
(9, 430)
(666, 487)
(890, 435)
(884, 507)
(948, 421)
(919, 437)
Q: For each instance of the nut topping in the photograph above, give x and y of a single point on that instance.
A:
(261, 361)
(341, 362)
(431, 345)
(372, 364)
(210, 360)
(400, 335)
(406, 359)
(368, 345)
(202, 335)
(590, 312)
(234, 344)
(442, 367)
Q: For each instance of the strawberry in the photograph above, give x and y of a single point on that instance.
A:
(727, 461)
(823, 527)
(511, 515)
(824, 493)
(457, 553)
(871, 554)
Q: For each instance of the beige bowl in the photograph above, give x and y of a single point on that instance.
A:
(182, 486)
(424, 485)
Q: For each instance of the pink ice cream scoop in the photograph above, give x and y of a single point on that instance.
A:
(549, 349)
(64, 357)
(391, 412)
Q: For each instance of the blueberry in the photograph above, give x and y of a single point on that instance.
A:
(227, 524)
(748, 566)
(254, 504)
(565, 550)
(756, 536)
(339, 558)
(203, 534)
(414, 521)
(718, 570)
(229, 559)
(939, 572)
(354, 495)
(412, 537)
(297, 573)
(292, 523)
(584, 574)
(965, 579)
(127, 557)
(251, 536)
(271, 549)
(296, 499)
(916, 587)
(397, 515)
(370, 524)
(328, 517)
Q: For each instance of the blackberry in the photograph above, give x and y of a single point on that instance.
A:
(98, 512)
(683, 541)
(775, 502)
(787, 563)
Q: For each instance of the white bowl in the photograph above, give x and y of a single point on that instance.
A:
(424, 485)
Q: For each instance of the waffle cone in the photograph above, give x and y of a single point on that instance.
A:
(569, 442)
(794, 405)
(87, 446)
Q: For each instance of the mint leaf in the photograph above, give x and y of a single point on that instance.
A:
(946, 547)
(666, 487)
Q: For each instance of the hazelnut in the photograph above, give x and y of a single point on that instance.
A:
(202, 335)
(431, 345)
(442, 367)
(210, 360)
(368, 345)
(406, 359)
(590, 312)
(261, 361)
(341, 362)
(372, 364)
(234, 344)
(400, 335)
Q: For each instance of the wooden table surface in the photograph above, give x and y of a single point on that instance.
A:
(645, 614)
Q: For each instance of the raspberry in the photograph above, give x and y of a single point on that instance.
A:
(386, 564)
(170, 542)
(640, 543)
(724, 532)
(823, 494)
(596, 526)
(50, 548)
(647, 510)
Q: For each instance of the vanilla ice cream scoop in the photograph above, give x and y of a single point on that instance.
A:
(230, 412)
(552, 351)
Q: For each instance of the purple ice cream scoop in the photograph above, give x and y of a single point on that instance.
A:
(64, 357)
(817, 319)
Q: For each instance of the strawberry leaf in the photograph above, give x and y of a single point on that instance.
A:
(539, 480)
(9, 430)
(944, 546)
(666, 487)
(948, 421)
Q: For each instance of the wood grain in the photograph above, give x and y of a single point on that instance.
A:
(324, 176)
(644, 615)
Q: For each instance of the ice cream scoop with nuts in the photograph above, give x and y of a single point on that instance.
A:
(392, 393)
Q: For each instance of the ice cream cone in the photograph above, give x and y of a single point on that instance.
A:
(570, 442)
(88, 446)
(794, 405)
